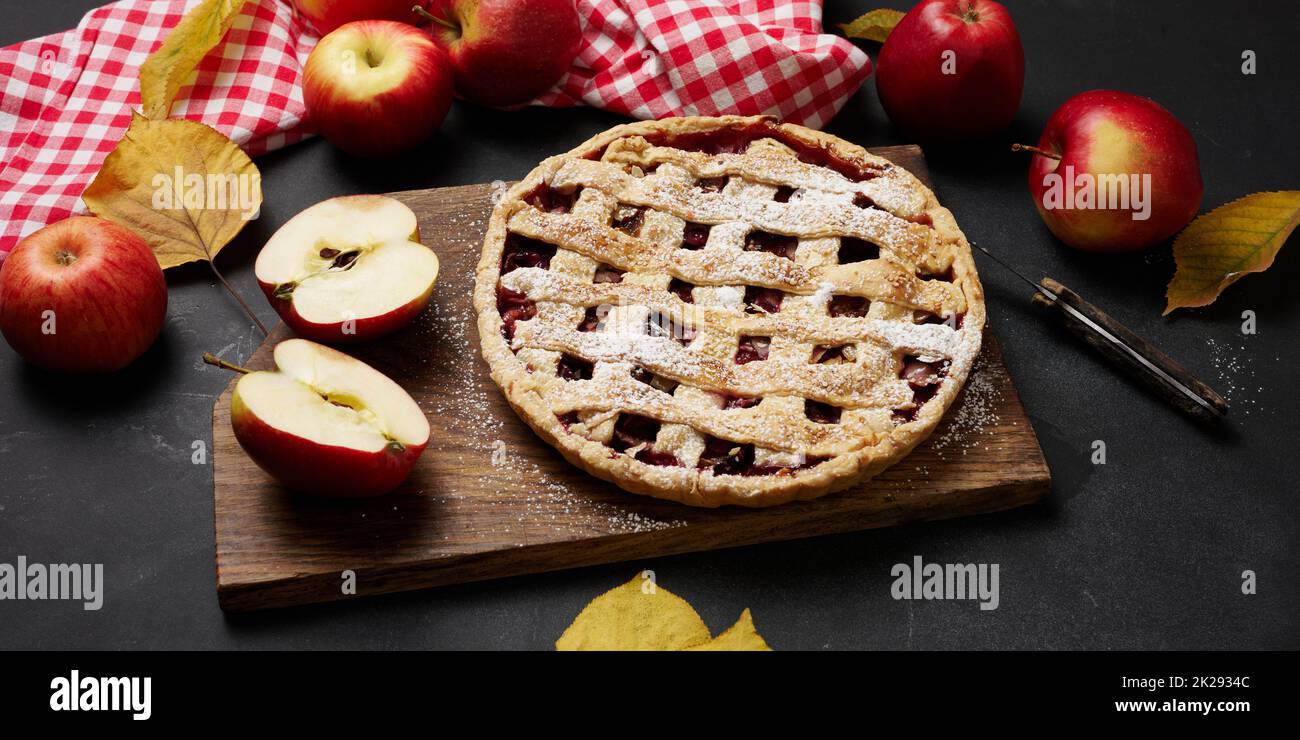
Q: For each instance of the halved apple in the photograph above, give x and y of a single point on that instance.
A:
(348, 269)
(328, 424)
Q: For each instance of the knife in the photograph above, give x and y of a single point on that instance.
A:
(1123, 348)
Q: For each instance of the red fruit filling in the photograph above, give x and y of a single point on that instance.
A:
(630, 222)
(711, 184)
(857, 250)
(783, 194)
(591, 320)
(822, 413)
(752, 348)
(631, 430)
(574, 368)
(513, 307)
(924, 379)
(762, 300)
(546, 198)
(862, 201)
(661, 459)
(682, 290)
(568, 419)
(810, 461)
(766, 241)
(848, 305)
(725, 457)
(694, 236)
(739, 402)
(521, 251)
(918, 373)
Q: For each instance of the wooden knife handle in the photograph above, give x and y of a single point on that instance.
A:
(1215, 407)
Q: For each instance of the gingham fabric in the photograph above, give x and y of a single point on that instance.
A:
(66, 99)
(659, 58)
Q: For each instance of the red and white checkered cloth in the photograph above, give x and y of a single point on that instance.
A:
(660, 58)
(66, 99)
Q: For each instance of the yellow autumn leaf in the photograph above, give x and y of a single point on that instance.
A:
(741, 636)
(181, 185)
(163, 73)
(1228, 243)
(639, 615)
(873, 26)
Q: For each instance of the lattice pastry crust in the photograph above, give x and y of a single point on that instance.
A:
(727, 310)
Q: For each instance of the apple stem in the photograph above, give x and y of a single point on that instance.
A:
(431, 17)
(212, 359)
(1035, 150)
(247, 309)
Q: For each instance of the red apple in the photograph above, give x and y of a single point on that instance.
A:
(1127, 175)
(952, 70)
(82, 295)
(328, 424)
(348, 269)
(327, 15)
(375, 88)
(506, 52)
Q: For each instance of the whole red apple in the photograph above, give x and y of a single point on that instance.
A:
(82, 295)
(328, 424)
(506, 52)
(1127, 176)
(327, 15)
(376, 88)
(952, 70)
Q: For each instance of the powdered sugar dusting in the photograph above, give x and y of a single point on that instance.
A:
(1237, 381)
(975, 413)
(823, 295)
(728, 296)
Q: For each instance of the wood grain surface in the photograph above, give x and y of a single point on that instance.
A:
(489, 499)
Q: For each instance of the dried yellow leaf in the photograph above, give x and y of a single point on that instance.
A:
(639, 615)
(741, 636)
(1229, 243)
(873, 26)
(182, 186)
(163, 73)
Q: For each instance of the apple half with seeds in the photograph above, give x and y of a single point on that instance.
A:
(348, 269)
(328, 424)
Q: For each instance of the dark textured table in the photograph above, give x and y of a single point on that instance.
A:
(1146, 551)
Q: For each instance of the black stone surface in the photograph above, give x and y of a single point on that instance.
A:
(1146, 551)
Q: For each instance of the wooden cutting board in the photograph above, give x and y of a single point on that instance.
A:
(489, 499)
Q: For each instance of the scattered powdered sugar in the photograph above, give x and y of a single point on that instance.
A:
(976, 412)
(556, 506)
(1237, 381)
(466, 398)
(471, 404)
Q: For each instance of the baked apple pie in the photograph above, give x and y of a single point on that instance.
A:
(727, 310)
